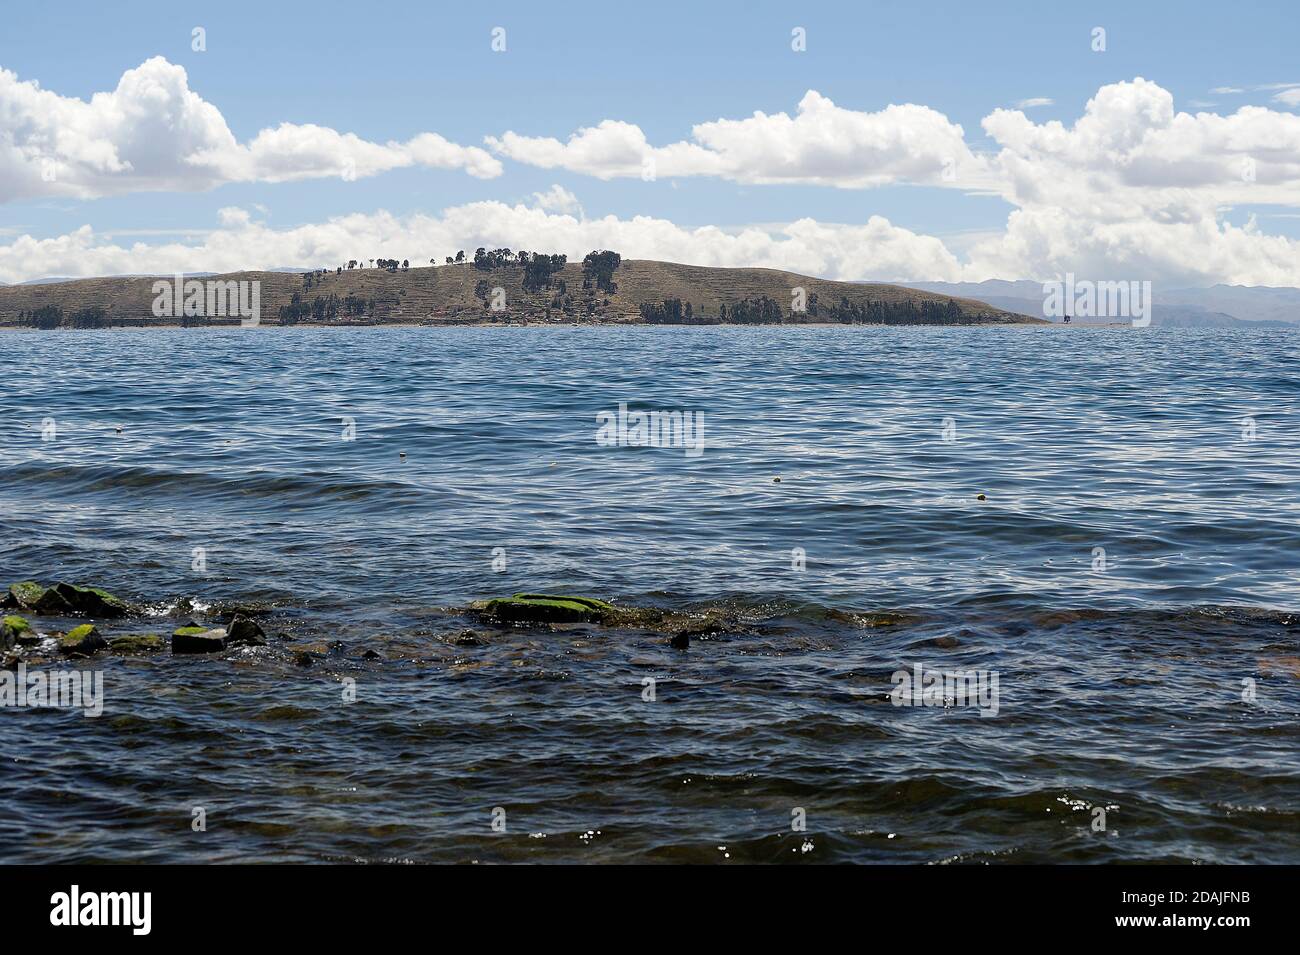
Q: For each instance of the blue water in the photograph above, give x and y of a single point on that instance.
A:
(1135, 559)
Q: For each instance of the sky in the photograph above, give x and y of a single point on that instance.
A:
(879, 140)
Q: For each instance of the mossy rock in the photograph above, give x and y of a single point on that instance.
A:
(14, 629)
(548, 608)
(83, 640)
(34, 598)
(92, 601)
(198, 640)
(25, 594)
(131, 644)
(23, 632)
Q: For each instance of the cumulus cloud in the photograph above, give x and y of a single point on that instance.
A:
(1039, 242)
(558, 199)
(153, 133)
(1137, 187)
(822, 144)
(1133, 188)
(875, 249)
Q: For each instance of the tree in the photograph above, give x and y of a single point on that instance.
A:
(598, 268)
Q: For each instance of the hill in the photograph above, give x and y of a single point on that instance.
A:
(643, 290)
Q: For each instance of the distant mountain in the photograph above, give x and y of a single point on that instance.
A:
(1246, 302)
(1177, 308)
(55, 280)
(459, 293)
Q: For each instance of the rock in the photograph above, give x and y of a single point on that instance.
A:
(51, 604)
(30, 596)
(82, 641)
(92, 601)
(680, 641)
(230, 609)
(22, 631)
(242, 632)
(303, 660)
(131, 644)
(371, 655)
(548, 608)
(468, 638)
(24, 594)
(12, 630)
(198, 640)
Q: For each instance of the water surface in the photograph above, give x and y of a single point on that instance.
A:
(1134, 560)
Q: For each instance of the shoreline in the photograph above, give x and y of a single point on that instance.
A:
(567, 325)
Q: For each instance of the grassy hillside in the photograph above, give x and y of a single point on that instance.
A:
(447, 294)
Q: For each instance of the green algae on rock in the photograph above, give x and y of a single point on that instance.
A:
(198, 640)
(83, 640)
(63, 599)
(24, 594)
(92, 601)
(12, 629)
(679, 626)
(131, 644)
(547, 608)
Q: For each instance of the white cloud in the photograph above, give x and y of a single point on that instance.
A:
(1034, 101)
(1288, 97)
(153, 133)
(875, 249)
(1227, 90)
(1132, 188)
(1039, 242)
(1136, 188)
(823, 144)
(558, 199)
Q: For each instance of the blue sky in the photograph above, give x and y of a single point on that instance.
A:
(394, 72)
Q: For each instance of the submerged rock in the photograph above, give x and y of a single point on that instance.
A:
(243, 632)
(82, 641)
(548, 608)
(131, 644)
(679, 626)
(469, 638)
(198, 640)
